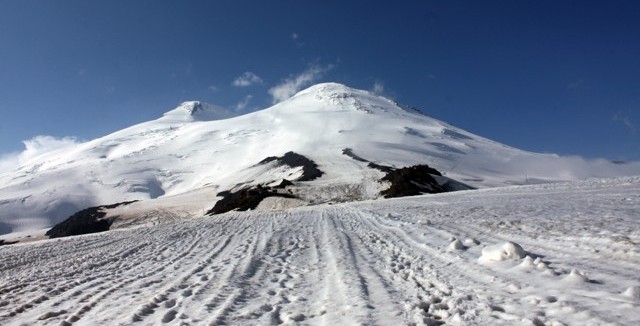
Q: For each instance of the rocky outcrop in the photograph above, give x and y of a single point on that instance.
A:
(89, 220)
(5, 242)
(412, 180)
(249, 197)
(310, 169)
(244, 199)
(349, 152)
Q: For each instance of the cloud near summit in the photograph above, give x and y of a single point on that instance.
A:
(293, 84)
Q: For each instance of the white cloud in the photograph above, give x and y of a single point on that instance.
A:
(294, 84)
(34, 147)
(247, 79)
(295, 36)
(243, 104)
(378, 87)
(213, 88)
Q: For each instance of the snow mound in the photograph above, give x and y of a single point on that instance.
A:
(456, 245)
(506, 251)
(632, 292)
(527, 263)
(577, 277)
(470, 242)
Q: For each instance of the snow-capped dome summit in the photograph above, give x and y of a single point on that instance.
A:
(339, 97)
(197, 111)
(327, 90)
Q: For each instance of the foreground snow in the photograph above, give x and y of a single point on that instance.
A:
(549, 254)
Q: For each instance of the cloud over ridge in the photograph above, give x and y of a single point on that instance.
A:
(293, 84)
(34, 147)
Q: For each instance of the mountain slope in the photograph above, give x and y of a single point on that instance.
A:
(197, 146)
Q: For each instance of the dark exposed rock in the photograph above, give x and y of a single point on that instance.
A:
(453, 185)
(89, 220)
(5, 242)
(349, 152)
(383, 168)
(412, 181)
(244, 199)
(249, 197)
(283, 184)
(310, 169)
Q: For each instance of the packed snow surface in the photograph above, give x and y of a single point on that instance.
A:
(198, 145)
(553, 254)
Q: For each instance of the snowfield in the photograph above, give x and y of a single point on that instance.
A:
(552, 254)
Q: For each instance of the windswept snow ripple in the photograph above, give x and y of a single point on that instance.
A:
(384, 262)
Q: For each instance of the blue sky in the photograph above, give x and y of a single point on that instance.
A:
(545, 76)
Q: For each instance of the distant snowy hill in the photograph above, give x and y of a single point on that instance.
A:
(181, 160)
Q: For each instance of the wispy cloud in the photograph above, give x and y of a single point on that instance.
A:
(247, 79)
(243, 104)
(295, 37)
(624, 119)
(213, 88)
(295, 83)
(82, 72)
(378, 87)
(34, 147)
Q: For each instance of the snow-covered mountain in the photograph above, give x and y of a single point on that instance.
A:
(181, 160)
